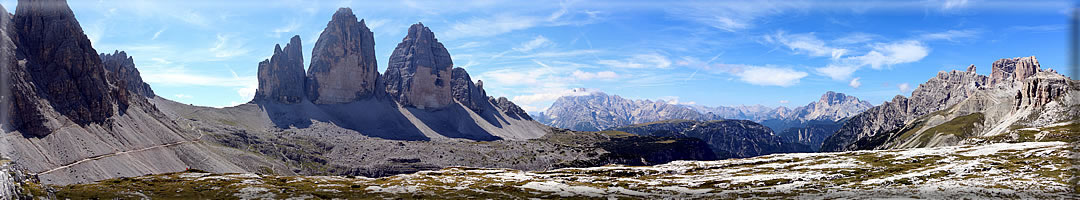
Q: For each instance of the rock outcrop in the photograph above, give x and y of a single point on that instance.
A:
(727, 138)
(866, 130)
(281, 78)
(419, 71)
(64, 66)
(1042, 89)
(510, 109)
(468, 94)
(122, 69)
(1013, 69)
(343, 67)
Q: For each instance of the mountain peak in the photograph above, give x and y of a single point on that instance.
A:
(281, 78)
(419, 71)
(1013, 69)
(343, 68)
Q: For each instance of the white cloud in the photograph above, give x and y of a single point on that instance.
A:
(548, 95)
(225, 47)
(731, 16)
(182, 96)
(904, 87)
(538, 42)
(855, 82)
(806, 43)
(885, 55)
(471, 44)
(602, 75)
(483, 27)
(674, 100)
(770, 76)
(784, 101)
(881, 55)
(954, 4)
(950, 35)
(837, 71)
(288, 28)
(652, 60)
(158, 33)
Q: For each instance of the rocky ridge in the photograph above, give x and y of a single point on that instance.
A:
(961, 107)
(122, 68)
(281, 78)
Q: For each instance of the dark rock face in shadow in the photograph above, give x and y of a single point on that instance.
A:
(62, 63)
(371, 117)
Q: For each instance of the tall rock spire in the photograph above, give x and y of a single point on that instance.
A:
(419, 71)
(1013, 69)
(281, 78)
(343, 65)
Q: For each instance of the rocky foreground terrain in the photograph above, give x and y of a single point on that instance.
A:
(1033, 170)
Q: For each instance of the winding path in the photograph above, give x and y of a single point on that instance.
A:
(92, 158)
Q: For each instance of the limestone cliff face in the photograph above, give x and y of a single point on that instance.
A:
(281, 78)
(63, 65)
(1040, 89)
(1010, 69)
(468, 94)
(419, 72)
(122, 69)
(343, 65)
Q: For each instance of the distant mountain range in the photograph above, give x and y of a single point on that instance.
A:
(808, 125)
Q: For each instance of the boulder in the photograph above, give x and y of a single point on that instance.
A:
(343, 65)
(419, 71)
(281, 78)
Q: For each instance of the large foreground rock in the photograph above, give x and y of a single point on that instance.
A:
(281, 78)
(343, 65)
(62, 63)
(420, 70)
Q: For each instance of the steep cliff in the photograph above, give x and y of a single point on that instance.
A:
(343, 67)
(281, 78)
(419, 71)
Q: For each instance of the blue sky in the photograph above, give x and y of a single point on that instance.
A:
(694, 52)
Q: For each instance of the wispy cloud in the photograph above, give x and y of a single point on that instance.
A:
(226, 47)
(806, 43)
(651, 60)
(288, 28)
(954, 4)
(538, 42)
(601, 75)
(158, 34)
(950, 35)
(732, 16)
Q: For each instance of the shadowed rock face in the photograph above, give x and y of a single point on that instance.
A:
(63, 65)
(419, 71)
(469, 94)
(281, 78)
(122, 69)
(343, 65)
